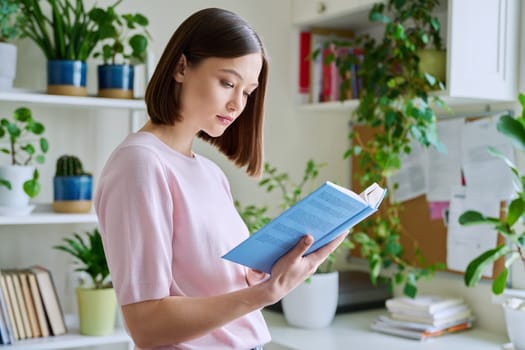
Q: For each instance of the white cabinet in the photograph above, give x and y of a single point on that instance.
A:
(481, 37)
(43, 219)
(483, 49)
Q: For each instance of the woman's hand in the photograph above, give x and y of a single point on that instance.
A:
(254, 277)
(292, 269)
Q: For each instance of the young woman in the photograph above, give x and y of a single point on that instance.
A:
(167, 214)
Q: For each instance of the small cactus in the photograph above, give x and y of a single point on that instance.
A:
(69, 166)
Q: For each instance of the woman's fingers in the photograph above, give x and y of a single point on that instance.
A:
(254, 277)
(321, 253)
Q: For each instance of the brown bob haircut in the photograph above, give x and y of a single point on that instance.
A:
(208, 33)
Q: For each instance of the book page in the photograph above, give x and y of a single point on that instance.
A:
(373, 195)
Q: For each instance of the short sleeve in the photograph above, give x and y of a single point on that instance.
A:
(134, 210)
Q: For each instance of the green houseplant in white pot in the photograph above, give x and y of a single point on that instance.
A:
(19, 178)
(11, 25)
(313, 303)
(511, 227)
(124, 40)
(97, 303)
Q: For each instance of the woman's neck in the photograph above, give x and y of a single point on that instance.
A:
(172, 135)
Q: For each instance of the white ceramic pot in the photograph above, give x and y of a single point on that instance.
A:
(15, 198)
(313, 303)
(514, 311)
(8, 66)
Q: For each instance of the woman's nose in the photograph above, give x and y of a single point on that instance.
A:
(236, 102)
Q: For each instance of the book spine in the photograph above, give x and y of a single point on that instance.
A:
(11, 317)
(21, 304)
(14, 307)
(6, 334)
(304, 62)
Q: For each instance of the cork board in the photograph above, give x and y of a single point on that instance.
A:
(419, 230)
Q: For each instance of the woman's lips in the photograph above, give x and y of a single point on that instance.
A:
(224, 119)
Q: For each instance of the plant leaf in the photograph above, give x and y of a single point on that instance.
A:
(513, 129)
(472, 217)
(476, 267)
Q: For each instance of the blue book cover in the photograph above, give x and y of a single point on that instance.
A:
(324, 213)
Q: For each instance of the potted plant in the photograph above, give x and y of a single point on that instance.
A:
(511, 227)
(395, 104)
(72, 186)
(19, 179)
(124, 39)
(11, 25)
(67, 35)
(313, 303)
(97, 304)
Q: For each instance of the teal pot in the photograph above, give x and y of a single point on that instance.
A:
(66, 77)
(72, 194)
(115, 80)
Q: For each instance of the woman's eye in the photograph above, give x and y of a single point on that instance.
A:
(227, 84)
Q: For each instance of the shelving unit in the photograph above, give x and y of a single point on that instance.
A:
(43, 214)
(478, 72)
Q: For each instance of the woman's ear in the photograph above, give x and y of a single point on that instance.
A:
(180, 69)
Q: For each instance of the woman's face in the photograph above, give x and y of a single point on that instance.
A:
(215, 91)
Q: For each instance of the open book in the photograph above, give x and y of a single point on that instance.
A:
(324, 213)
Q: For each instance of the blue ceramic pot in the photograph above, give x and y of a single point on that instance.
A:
(72, 194)
(66, 77)
(115, 80)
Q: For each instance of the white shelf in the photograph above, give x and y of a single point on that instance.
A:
(39, 98)
(43, 214)
(67, 341)
(349, 105)
(72, 339)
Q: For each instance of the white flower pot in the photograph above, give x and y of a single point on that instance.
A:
(515, 322)
(15, 198)
(313, 303)
(8, 66)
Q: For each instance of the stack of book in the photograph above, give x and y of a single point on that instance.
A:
(29, 305)
(424, 317)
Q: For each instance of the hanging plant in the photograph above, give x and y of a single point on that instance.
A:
(395, 103)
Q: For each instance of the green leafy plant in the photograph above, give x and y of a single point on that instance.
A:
(89, 254)
(395, 102)
(63, 30)
(21, 150)
(511, 227)
(124, 37)
(291, 192)
(253, 216)
(69, 165)
(11, 20)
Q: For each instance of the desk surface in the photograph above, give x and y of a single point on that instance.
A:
(352, 331)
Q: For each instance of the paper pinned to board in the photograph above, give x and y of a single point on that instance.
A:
(464, 243)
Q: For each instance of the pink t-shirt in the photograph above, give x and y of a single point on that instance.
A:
(166, 219)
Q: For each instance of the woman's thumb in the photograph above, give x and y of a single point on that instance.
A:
(302, 246)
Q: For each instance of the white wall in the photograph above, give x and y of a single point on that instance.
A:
(291, 137)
